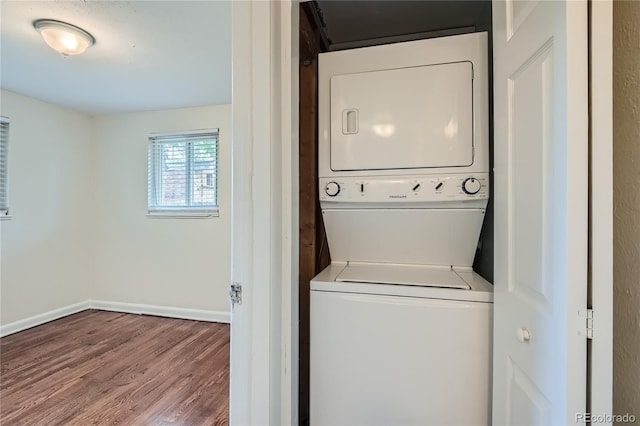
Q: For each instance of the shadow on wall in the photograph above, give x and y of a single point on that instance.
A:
(626, 200)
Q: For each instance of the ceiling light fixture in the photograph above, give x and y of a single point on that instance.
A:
(65, 38)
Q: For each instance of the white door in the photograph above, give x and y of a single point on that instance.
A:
(541, 211)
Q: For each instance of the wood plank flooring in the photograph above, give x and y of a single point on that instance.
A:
(105, 368)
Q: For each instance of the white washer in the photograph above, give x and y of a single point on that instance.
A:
(386, 354)
(400, 324)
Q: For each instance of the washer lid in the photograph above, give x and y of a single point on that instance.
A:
(402, 274)
(480, 291)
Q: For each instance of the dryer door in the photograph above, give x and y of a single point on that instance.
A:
(407, 118)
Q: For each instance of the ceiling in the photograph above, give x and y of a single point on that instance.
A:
(149, 55)
(354, 23)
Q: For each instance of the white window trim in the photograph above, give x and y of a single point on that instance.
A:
(182, 212)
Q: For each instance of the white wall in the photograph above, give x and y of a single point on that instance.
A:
(78, 194)
(183, 263)
(626, 212)
(47, 256)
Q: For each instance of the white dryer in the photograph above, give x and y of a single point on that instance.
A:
(400, 323)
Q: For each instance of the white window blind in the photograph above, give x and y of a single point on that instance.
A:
(4, 145)
(183, 173)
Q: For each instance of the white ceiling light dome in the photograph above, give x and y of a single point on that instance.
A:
(64, 38)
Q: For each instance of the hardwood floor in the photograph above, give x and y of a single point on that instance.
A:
(104, 368)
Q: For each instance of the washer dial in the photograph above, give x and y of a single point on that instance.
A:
(332, 189)
(471, 186)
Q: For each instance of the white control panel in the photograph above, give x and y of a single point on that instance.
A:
(389, 189)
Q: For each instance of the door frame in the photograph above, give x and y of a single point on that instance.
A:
(264, 379)
(264, 327)
(600, 381)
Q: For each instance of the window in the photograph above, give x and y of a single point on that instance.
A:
(183, 174)
(4, 142)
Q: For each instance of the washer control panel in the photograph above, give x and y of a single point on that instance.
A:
(406, 188)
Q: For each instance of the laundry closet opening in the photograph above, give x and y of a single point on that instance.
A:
(327, 26)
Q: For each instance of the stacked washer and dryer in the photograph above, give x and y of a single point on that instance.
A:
(400, 323)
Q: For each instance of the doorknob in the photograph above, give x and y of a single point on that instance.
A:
(523, 335)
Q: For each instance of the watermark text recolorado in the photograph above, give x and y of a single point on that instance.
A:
(604, 418)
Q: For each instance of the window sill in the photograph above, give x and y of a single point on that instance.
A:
(182, 214)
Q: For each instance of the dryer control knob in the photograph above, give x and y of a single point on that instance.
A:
(332, 189)
(471, 186)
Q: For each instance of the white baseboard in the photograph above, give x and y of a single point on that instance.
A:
(35, 320)
(162, 311)
(130, 308)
